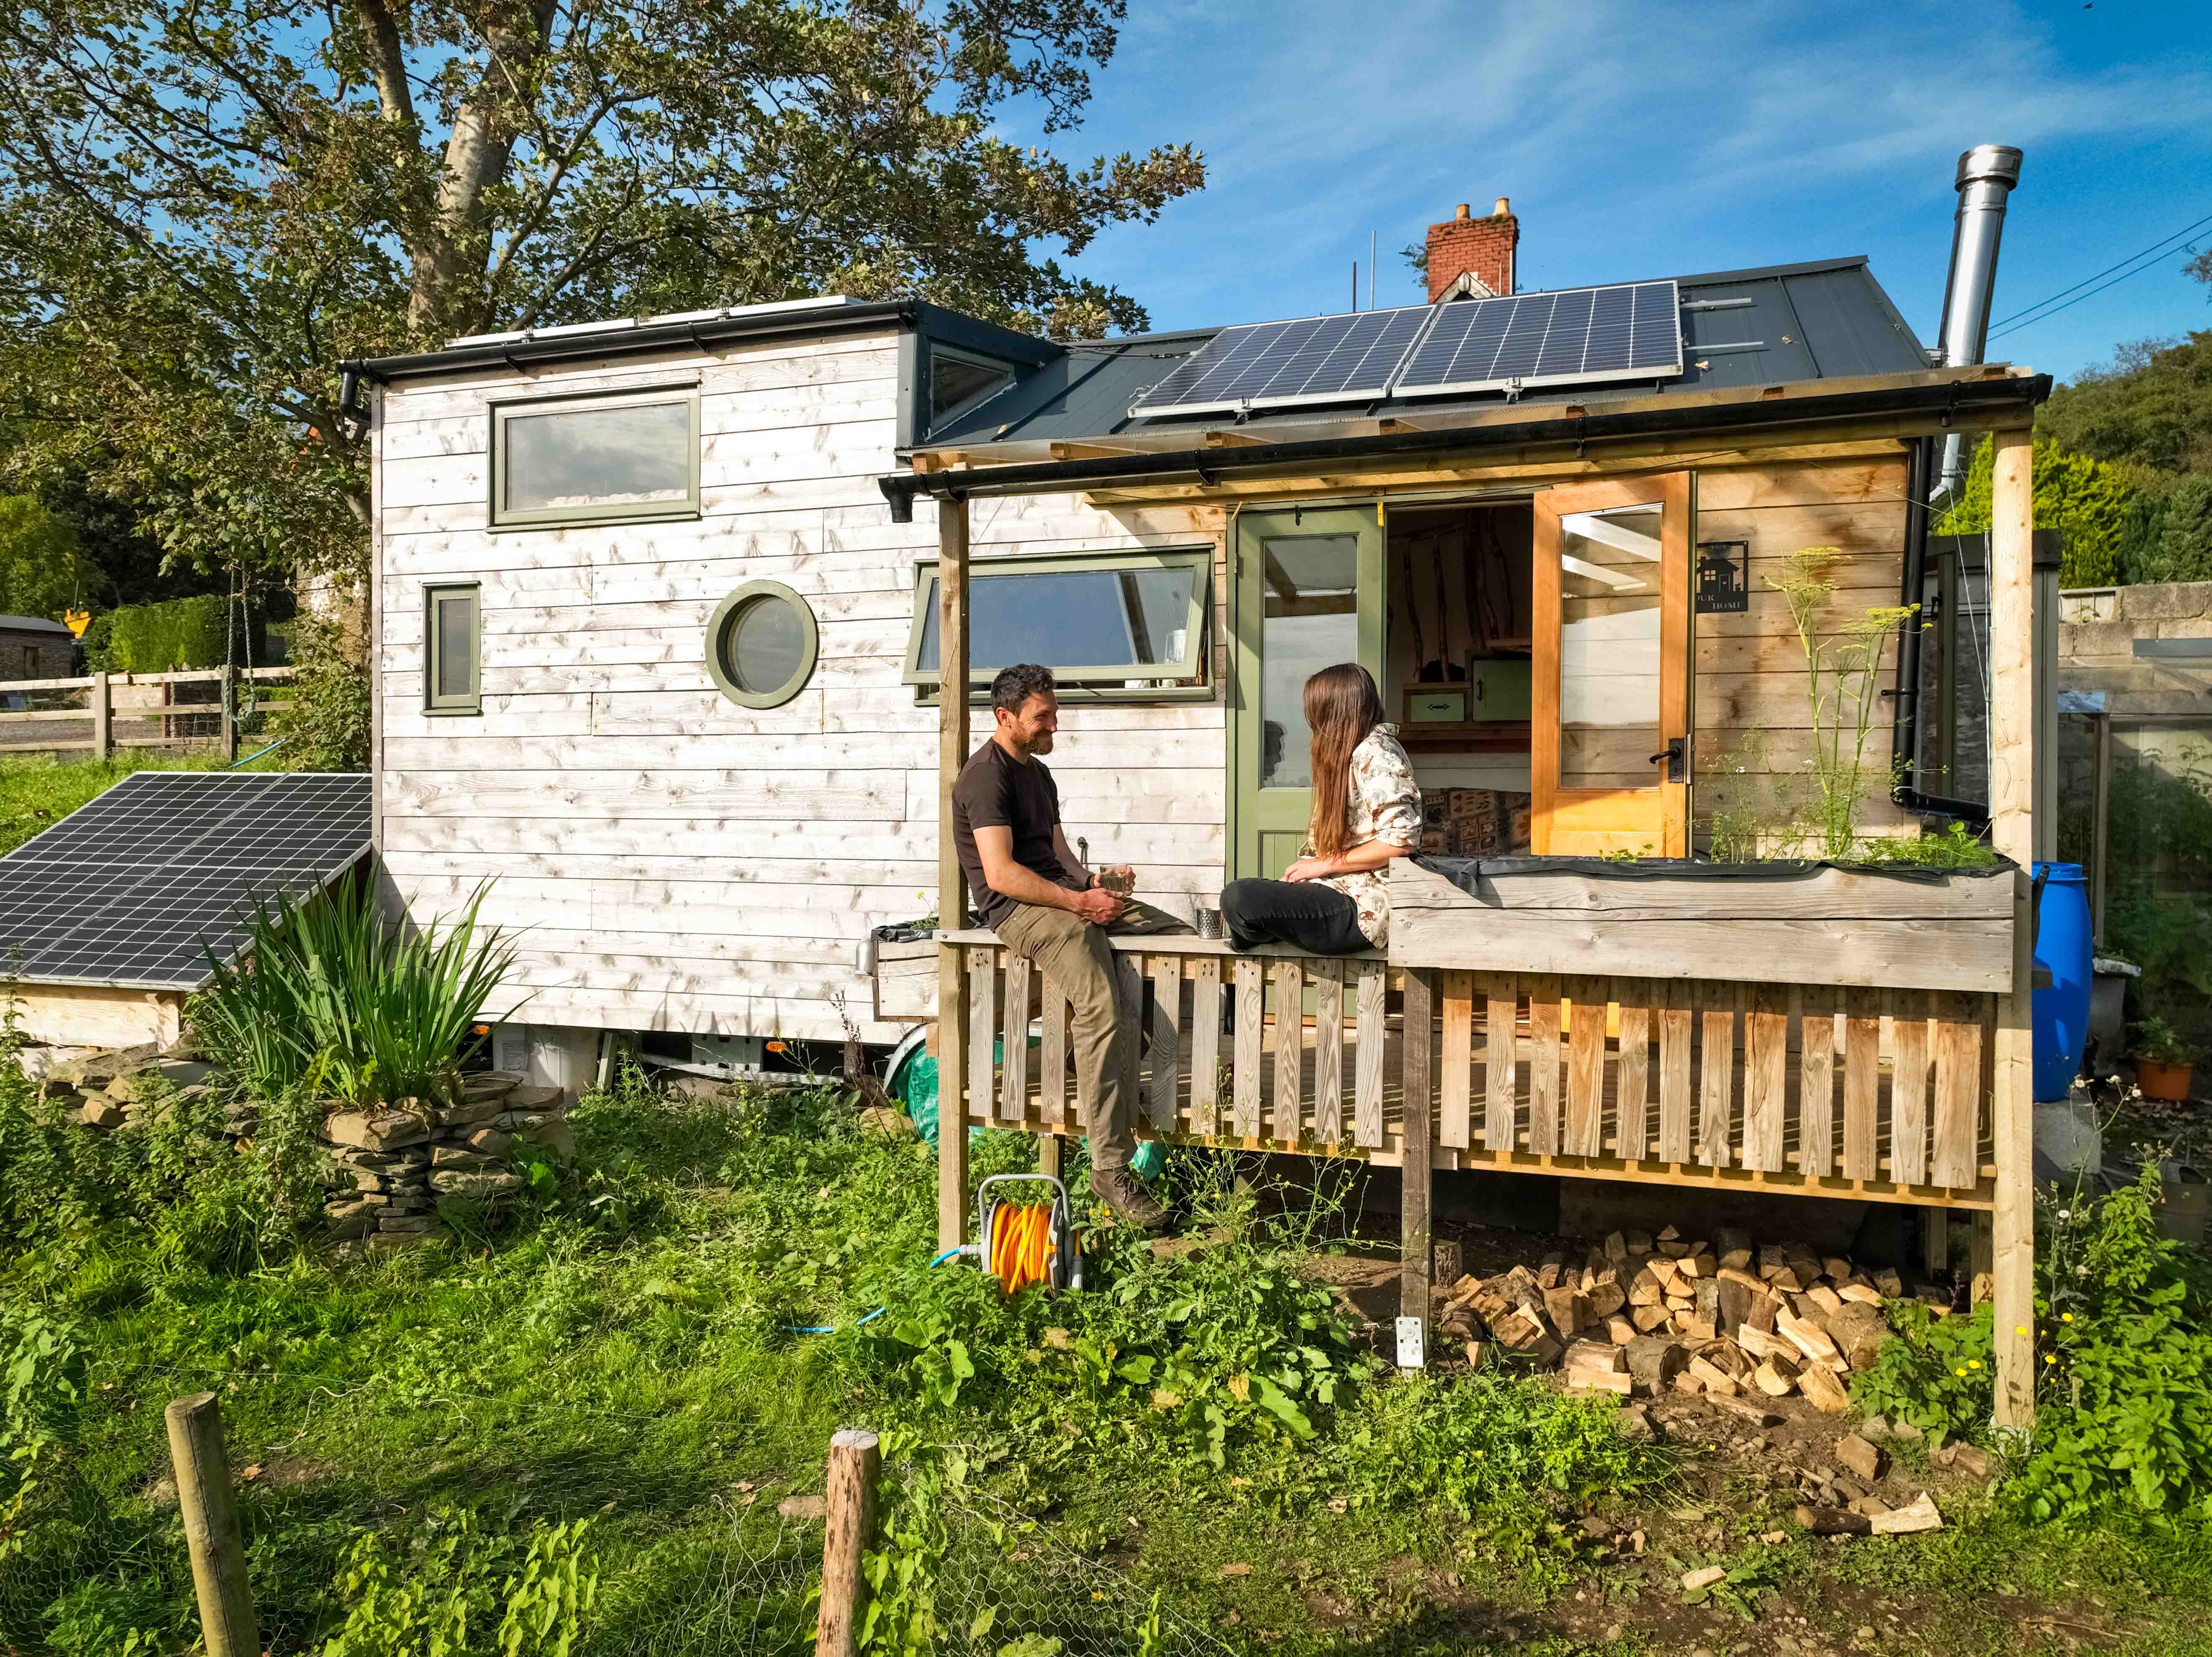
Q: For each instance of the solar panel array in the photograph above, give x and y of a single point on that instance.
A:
(137, 886)
(1630, 330)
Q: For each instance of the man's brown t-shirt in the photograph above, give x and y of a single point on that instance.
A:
(997, 791)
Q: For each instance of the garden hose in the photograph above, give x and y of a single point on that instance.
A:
(1022, 1246)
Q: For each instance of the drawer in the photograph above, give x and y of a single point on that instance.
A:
(1447, 706)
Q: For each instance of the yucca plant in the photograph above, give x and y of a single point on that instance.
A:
(384, 1009)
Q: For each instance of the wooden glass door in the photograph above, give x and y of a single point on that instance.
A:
(1308, 595)
(1610, 726)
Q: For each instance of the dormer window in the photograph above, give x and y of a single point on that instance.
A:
(958, 382)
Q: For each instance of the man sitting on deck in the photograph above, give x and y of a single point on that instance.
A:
(1029, 888)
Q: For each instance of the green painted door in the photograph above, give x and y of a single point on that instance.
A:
(1308, 595)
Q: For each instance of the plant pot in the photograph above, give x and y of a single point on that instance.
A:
(2167, 1081)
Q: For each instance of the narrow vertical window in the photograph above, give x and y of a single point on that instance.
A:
(450, 627)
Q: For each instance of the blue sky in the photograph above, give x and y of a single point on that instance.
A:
(1659, 139)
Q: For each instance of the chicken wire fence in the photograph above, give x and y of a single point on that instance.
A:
(692, 1553)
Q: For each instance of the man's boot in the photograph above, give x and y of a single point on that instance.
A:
(1125, 1194)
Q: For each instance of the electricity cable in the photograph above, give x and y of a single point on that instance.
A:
(2140, 261)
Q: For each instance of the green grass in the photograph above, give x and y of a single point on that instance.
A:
(619, 1353)
(37, 793)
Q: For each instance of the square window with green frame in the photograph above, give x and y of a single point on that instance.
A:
(617, 457)
(451, 648)
(1112, 626)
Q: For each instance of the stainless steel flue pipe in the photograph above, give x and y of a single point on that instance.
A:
(1986, 175)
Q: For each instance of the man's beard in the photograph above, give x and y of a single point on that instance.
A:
(1042, 744)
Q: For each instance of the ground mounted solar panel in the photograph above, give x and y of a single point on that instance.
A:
(135, 889)
(1345, 358)
(1633, 330)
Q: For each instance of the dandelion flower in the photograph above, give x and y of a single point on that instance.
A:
(2065, 1317)
(1958, 1372)
(2049, 1357)
(1974, 1363)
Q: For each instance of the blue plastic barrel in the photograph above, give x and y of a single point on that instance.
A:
(2062, 950)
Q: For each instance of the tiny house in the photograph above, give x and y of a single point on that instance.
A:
(679, 624)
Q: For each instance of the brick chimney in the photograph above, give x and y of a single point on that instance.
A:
(1481, 248)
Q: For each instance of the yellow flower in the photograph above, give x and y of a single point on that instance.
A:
(1958, 1372)
(2019, 1328)
(2065, 1317)
(2050, 1357)
(1974, 1363)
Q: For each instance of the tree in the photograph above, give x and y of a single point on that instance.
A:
(2087, 500)
(2151, 408)
(205, 205)
(2182, 550)
(43, 567)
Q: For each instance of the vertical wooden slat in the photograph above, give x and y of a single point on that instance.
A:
(1014, 1042)
(1368, 1062)
(1633, 1086)
(1958, 1091)
(1908, 1091)
(1454, 1093)
(1501, 1039)
(1328, 1051)
(1244, 1086)
(1051, 1054)
(1816, 1084)
(952, 1090)
(1132, 996)
(1544, 1066)
(1935, 1241)
(1206, 1044)
(1414, 1267)
(1716, 1074)
(1585, 1130)
(1674, 1094)
(1167, 1039)
(982, 1033)
(1861, 1084)
(1765, 1078)
(1290, 1049)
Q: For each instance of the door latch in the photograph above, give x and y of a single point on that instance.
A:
(1676, 754)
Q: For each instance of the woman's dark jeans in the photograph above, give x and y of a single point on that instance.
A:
(1304, 914)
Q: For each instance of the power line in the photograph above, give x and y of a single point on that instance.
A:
(2141, 261)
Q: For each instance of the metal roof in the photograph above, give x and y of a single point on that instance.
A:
(1827, 319)
(32, 624)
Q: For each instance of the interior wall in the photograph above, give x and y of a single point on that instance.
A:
(1492, 545)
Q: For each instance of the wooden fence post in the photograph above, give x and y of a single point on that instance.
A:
(849, 1526)
(1413, 1263)
(103, 720)
(209, 1507)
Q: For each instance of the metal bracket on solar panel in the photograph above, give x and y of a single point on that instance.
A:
(1717, 304)
(1513, 391)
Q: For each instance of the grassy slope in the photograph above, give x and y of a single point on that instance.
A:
(620, 1355)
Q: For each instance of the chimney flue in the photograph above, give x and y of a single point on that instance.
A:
(1462, 212)
(1984, 182)
(1503, 208)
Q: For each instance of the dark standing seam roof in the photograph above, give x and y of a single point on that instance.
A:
(1825, 321)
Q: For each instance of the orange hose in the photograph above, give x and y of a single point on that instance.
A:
(1021, 1245)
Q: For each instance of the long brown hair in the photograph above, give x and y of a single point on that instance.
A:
(1342, 706)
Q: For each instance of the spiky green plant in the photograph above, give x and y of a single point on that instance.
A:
(382, 1008)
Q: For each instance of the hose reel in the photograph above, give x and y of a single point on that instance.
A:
(1026, 1243)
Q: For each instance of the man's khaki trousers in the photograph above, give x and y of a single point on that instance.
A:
(1108, 999)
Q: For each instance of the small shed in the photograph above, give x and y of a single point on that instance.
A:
(32, 647)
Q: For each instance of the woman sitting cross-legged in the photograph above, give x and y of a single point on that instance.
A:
(1335, 899)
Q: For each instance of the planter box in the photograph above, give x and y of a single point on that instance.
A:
(1780, 923)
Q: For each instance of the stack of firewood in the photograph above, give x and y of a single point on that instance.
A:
(1728, 1318)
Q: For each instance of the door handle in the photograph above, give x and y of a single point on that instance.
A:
(1676, 756)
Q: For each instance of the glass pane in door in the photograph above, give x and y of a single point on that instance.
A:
(1311, 621)
(1609, 582)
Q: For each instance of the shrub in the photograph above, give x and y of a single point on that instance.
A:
(2183, 550)
(327, 727)
(168, 638)
(2085, 498)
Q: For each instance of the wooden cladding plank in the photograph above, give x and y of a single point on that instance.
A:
(1908, 1090)
(1675, 1024)
(1816, 1084)
(1544, 1066)
(1456, 1100)
(1959, 1031)
(1501, 1037)
(1244, 1085)
(1328, 1051)
(1167, 1040)
(1632, 1088)
(1014, 1042)
(1052, 1055)
(1205, 1045)
(1766, 1079)
(1367, 1071)
(1716, 1078)
(1289, 1050)
(1861, 1084)
(982, 1030)
(1585, 1124)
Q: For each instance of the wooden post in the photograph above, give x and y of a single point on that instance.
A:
(1048, 1156)
(1414, 1266)
(2013, 722)
(103, 720)
(951, 885)
(229, 715)
(209, 1508)
(2100, 807)
(849, 1526)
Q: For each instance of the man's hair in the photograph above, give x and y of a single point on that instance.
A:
(1015, 685)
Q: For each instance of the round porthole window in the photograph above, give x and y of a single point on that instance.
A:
(761, 644)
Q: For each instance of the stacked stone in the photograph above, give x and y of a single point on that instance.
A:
(398, 1161)
(114, 1087)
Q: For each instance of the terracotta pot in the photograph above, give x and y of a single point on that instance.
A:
(2157, 1081)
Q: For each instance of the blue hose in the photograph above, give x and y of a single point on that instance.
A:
(832, 1328)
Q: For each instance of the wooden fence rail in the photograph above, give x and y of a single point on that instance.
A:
(103, 708)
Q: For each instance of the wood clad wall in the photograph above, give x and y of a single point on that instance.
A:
(1751, 668)
(682, 863)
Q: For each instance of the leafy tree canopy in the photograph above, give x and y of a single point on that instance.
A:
(204, 205)
(2093, 504)
(43, 567)
(2151, 408)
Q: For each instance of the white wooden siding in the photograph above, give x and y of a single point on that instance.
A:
(670, 860)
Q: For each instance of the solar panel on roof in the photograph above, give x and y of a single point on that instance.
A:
(1629, 331)
(135, 888)
(1345, 358)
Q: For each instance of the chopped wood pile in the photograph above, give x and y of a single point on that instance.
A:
(1728, 1318)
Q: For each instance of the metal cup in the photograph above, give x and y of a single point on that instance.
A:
(1208, 921)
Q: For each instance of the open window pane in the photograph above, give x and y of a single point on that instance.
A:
(1609, 617)
(595, 460)
(1117, 622)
